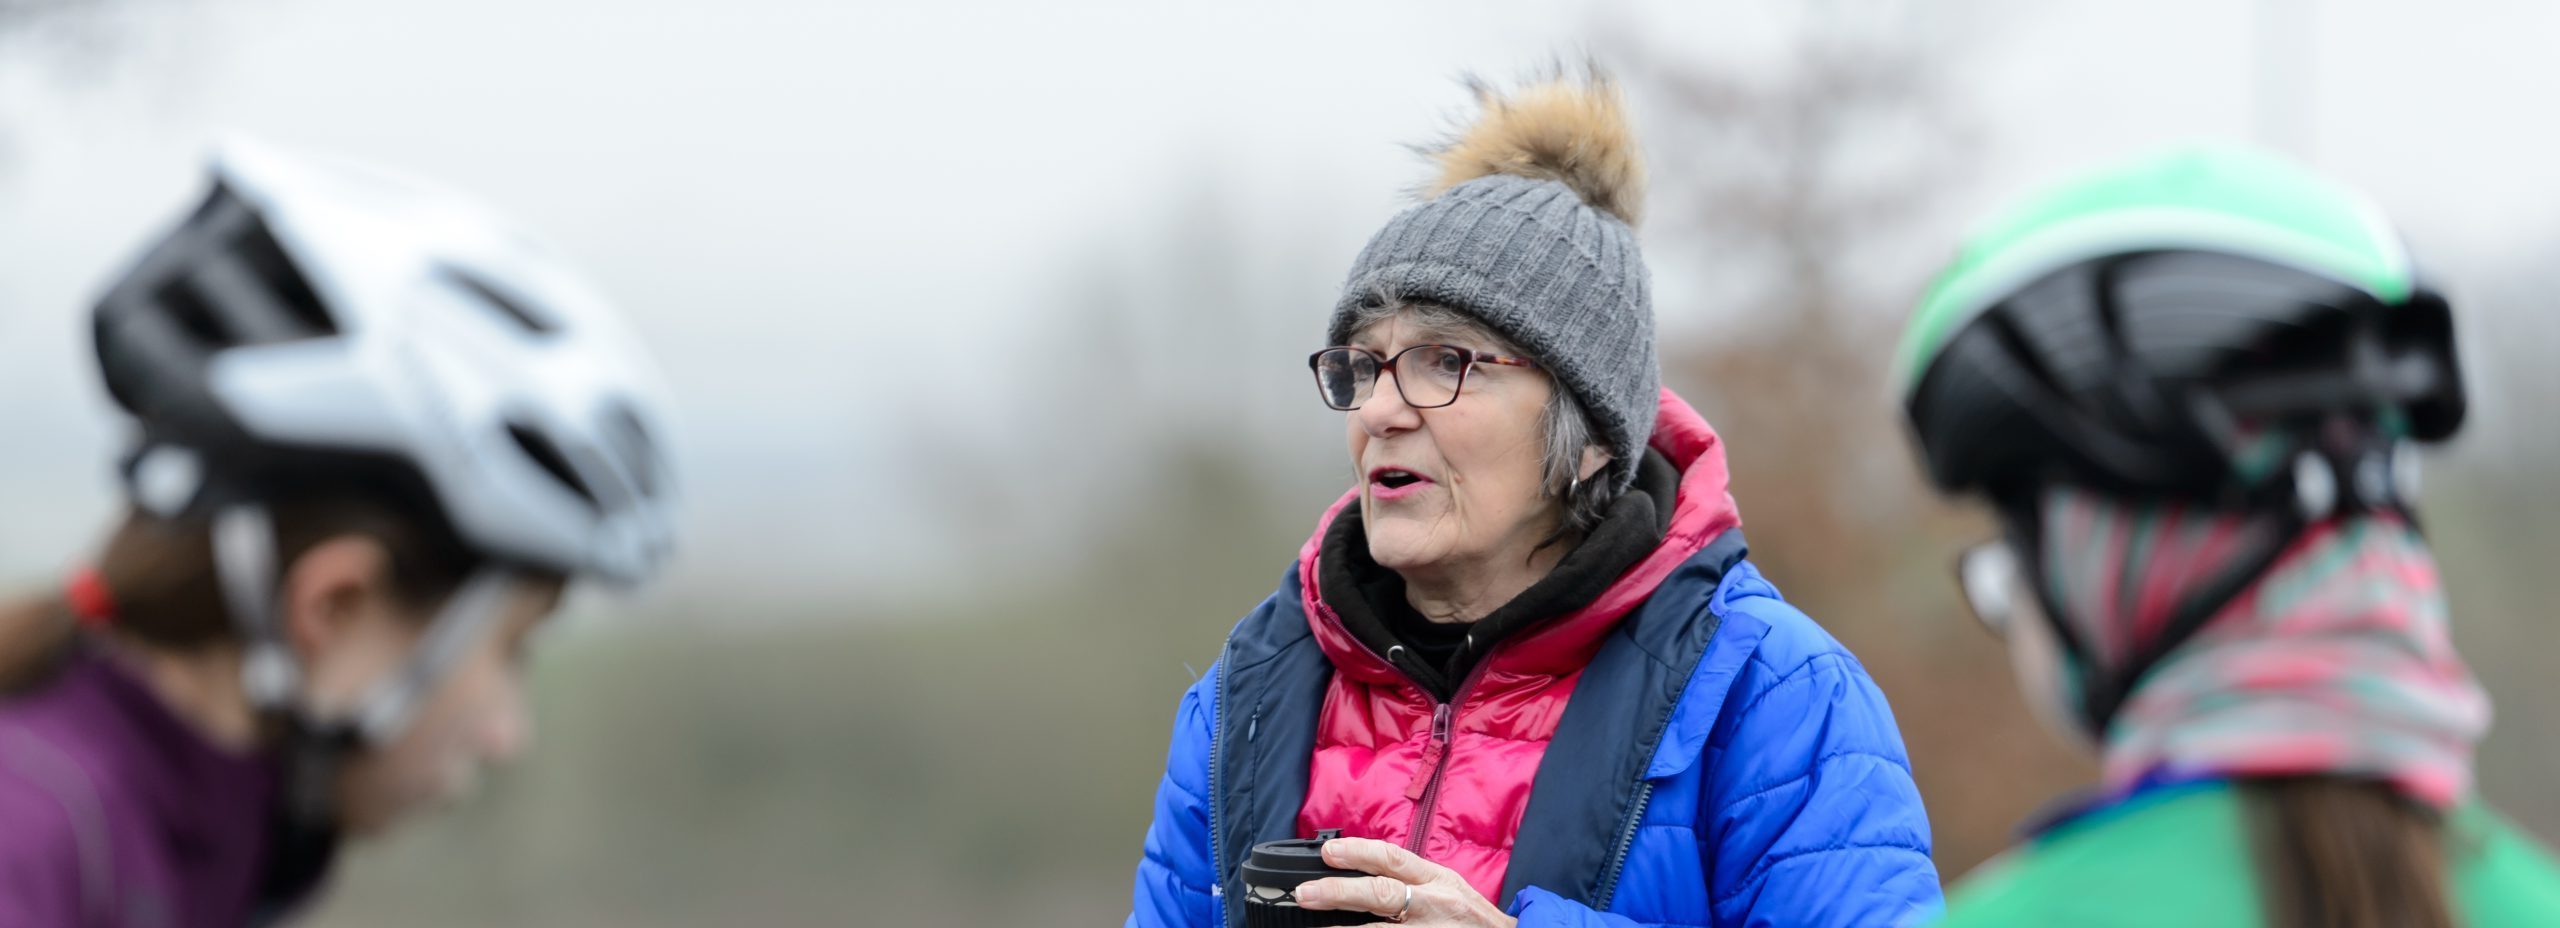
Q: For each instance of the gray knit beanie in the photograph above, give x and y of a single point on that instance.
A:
(1530, 231)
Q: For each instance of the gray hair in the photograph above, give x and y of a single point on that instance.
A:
(1568, 427)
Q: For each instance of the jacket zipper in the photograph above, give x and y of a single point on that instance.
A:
(1626, 843)
(1425, 792)
(1217, 734)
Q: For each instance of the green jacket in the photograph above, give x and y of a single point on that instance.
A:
(2180, 856)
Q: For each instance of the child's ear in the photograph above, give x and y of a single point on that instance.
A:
(328, 589)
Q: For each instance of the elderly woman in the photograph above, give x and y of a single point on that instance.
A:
(1523, 663)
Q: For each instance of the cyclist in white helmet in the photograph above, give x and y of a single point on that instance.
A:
(377, 432)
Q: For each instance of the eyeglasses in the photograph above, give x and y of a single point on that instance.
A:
(1427, 376)
(1991, 578)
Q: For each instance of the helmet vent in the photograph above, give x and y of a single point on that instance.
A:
(496, 299)
(631, 442)
(187, 307)
(266, 259)
(547, 456)
(2004, 327)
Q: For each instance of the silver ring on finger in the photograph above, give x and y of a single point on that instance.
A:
(1408, 905)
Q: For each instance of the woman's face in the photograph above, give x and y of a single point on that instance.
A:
(2043, 669)
(473, 718)
(1457, 484)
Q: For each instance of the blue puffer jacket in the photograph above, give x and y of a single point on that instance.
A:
(1763, 784)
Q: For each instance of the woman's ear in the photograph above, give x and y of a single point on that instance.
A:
(329, 590)
(1593, 459)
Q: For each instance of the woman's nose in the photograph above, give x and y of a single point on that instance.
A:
(510, 730)
(1386, 412)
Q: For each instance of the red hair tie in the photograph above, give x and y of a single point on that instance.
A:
(90, 599)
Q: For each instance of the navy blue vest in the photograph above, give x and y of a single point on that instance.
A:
(1271, 682)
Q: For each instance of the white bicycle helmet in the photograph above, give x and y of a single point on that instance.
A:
(316, 322)
(313, 313)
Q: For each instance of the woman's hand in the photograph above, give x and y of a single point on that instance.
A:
(1439, 898)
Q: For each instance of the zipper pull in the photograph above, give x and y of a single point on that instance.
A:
(1431, 752)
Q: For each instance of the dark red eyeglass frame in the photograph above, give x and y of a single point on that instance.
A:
(1387, 367)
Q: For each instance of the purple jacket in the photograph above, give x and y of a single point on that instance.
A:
(115, 814)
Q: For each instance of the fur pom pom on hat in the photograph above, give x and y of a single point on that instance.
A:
(1529, 228)
(1571, 132)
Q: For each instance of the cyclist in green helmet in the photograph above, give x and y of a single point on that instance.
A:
(2189, 387)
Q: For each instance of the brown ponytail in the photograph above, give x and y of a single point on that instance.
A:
(168, 594)
(2346, 853)
(34, 634)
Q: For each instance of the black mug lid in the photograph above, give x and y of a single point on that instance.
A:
(1285, 864)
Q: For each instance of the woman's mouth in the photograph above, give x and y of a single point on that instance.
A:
(1393, 483)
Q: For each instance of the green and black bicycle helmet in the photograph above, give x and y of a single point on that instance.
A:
(2207, 325)
(2118, 331)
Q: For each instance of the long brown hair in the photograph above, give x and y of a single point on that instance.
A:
(162, 576)
(2340, 853)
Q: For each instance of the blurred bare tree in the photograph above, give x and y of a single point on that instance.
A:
(69, 42)
(19, 14)
(79, 37)
(1796, 194)
(1163, 367)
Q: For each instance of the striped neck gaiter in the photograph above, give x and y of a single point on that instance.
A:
(2337, 660)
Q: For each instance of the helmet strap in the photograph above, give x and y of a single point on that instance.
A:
(315, 745)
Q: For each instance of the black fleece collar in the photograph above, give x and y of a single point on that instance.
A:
(1370, 599)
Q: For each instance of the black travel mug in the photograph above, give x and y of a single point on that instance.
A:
(1272, 873)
